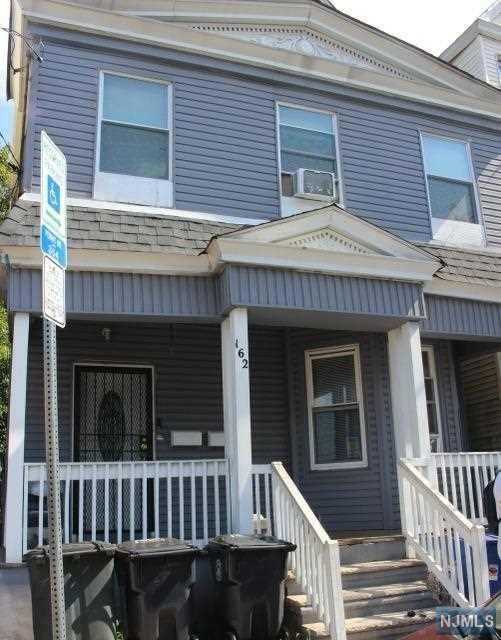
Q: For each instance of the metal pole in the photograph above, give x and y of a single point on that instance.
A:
(53, 494)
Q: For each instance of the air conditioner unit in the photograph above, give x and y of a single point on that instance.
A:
(315, 185)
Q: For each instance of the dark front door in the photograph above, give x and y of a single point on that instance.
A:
(113, 414)
(113, 422)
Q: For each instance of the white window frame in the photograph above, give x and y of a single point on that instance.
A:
(115, 187)
(290, 205)
(428, 348)
(332, 352)
(455, 231)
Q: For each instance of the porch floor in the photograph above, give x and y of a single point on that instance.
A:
(15, 605)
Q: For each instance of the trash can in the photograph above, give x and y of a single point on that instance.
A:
(155, 578)
(250, 572)
(89, 591)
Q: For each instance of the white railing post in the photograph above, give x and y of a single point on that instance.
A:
(13, 525)
(337, 625)
(237, 418)
(480, 565)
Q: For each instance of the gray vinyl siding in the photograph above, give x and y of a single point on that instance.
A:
(355, 499)
(187, 383)
(225, 157)
(461, 318)
(471, 59)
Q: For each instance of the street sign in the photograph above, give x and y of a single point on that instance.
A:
(54, 292)
(53, 202)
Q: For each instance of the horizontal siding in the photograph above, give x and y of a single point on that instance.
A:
(492, 51)
(461, 318)
(187, 378)
(286, 289)
(225, 140)
(356, 499)
(471, 59)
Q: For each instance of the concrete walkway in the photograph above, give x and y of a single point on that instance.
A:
(15, 605)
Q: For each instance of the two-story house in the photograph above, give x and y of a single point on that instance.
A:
(284, 247)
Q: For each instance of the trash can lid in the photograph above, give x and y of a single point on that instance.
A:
(155, 547)
(71, 550)
(256, 542)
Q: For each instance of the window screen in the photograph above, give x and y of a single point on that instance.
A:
(431, 388)
(450, 179)
(335, 408)
(135, 127)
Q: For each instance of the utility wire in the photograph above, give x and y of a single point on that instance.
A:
(26, 40)
(18, 165)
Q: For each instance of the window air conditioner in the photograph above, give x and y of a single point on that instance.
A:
(315, 185)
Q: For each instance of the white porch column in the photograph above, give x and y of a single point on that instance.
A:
(237, 421)
(13, 526)
(408, 395)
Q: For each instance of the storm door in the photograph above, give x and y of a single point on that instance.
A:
(113, 422)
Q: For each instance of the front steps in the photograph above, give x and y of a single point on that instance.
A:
(385, 594)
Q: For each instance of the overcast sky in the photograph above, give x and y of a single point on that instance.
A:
(429, 24)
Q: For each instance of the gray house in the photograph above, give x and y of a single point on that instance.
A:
(283, 295)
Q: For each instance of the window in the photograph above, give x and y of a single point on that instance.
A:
(432, 401)
(336, 413)
(307, 141)
(450, 179)
(134, 150)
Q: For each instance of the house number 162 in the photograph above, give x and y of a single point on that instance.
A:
(242, 354)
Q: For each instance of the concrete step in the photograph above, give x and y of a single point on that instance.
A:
(388, 625)
(371, 549)
(382, 572)
(369, 601)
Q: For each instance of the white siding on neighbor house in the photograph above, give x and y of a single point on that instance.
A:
(492, 51)
(471, 59)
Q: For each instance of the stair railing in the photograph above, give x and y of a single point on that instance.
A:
(316, 562)
(437, 533)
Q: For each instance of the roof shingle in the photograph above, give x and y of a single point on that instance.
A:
(466, 266)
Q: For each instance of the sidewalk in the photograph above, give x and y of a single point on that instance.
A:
(15, 605)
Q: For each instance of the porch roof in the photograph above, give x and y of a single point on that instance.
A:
(466, 265)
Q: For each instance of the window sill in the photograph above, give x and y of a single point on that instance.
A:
(114, 187)
(334, 466)
(457, 232)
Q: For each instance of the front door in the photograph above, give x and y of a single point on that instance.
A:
(113, 421)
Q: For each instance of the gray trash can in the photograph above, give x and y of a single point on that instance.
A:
(89, 591)
(155, 578)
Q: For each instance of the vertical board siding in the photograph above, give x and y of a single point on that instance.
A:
(354, 499)
(461, 317)
(225, 157)
(187, 383)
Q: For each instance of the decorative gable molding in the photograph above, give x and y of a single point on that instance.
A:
(327, 240)
(305, 42)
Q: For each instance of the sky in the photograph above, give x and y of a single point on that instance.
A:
(430, 24)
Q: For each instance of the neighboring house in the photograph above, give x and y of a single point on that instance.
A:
(284, 246)
(478, 49)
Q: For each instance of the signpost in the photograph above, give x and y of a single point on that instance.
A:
(53, 246)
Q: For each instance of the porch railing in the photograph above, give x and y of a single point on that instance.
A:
(262, 498)
(115, 501)
(316, 563)
(461, 478)
(439, 534)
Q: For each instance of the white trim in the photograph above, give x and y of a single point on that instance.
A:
(114, 365)
(448, 227)
(332, 352)
(13, 524)
(303, 204)
(115, 186)
(457, 91)
(430, 351)
(450, 289)
(185, 438)
(138, 209)
(217, 439)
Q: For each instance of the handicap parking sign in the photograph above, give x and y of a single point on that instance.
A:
(53, 203)
(53, 194)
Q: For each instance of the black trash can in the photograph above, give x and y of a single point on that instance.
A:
(155, 577)
(250, 572)
(89, 591)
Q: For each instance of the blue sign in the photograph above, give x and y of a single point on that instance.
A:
(53, 246)
(54, 194)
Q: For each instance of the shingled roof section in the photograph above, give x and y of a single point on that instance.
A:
(471, 267)
(115, 230)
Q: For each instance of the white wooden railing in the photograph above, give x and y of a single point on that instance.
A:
(115, 501)
(315, 563)
(462, 477)
(439, 534)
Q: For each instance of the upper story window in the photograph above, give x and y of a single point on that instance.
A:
(308, 158)
(451, 190)
(134, 154)
(335, 406)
